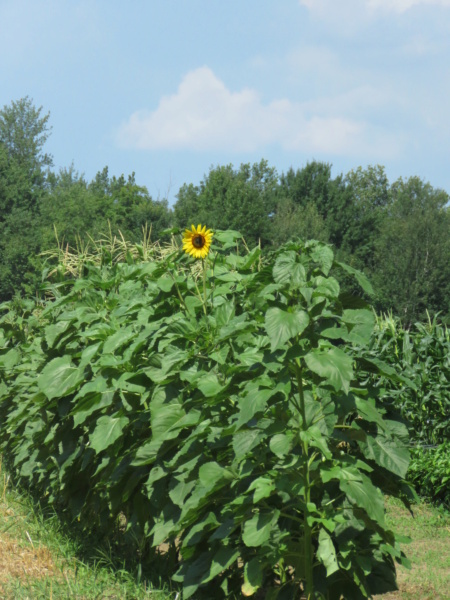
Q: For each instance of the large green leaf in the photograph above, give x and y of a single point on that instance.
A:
(326, 552)
(209, 385)
(223, 559)
(323, 254)
(253, 576)
(386, 453)
(281, 444)
(360, 323)
(255, 401)
(288, 270)
(365, 495)
(244, 441)
(281, 325)
(53, 331)
(211, 472)
(59, 377)
(257, 529)
(90, 403)
(118, 339)
(360, 277)
(263, 487)
(10, 359)
(107, 431)
(332, 364)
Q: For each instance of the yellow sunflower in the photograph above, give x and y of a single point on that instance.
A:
(196, 242)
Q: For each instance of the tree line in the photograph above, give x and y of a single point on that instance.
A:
(397, 233)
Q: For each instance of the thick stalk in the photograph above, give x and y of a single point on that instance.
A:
(309, 585)
(204, 281)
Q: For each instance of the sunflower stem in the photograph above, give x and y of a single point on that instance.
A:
(307, 533)
(204, 285)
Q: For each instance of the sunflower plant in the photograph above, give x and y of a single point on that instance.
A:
(248, 439)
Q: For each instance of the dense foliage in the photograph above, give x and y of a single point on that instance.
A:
(429, 471)
(230, 410)
(422, 355)
(398, 234)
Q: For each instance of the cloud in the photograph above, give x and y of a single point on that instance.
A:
(204, 115)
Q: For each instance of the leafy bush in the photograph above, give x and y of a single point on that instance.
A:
(224, 408)
(429, 472)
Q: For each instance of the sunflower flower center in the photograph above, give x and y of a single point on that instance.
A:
(198, 241)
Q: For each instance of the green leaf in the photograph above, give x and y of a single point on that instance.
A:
(369, 412)
(257, 530)
(323, 255)
(180, 491)
(326, 286)
(244, 441)
(52, 332)
(333, 365)
(360, 277)
(211, 472)
(192, 302)
(253, 577)
(89, 404)
(229, 236)
(255, 401)
(281, 325)
(326, 553)
(209, 385)
(263, 487)
(288, 270)
(315, 438)
(10, 359)
(360, 323)
(386, 453)
(118, 339)
(281, 444)
(59, 377)
(107, 431)
(339, 472)
(165, 283)
(223, 559)
(365, 495)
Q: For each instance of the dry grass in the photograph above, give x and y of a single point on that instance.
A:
(19, 561)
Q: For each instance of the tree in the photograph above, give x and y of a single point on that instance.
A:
(23, 184)
(413, 252)
(291, 220)
(78, 209)
(23, 134)
(226, 198)
(313, 184)
(369, 196)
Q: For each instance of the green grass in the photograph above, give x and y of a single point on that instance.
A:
(40, 559)
(429, 552)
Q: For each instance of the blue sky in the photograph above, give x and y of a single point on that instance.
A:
(168, 88)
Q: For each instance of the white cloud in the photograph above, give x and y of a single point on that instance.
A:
(204, 114)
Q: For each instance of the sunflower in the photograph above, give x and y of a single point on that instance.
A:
(196, 242)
